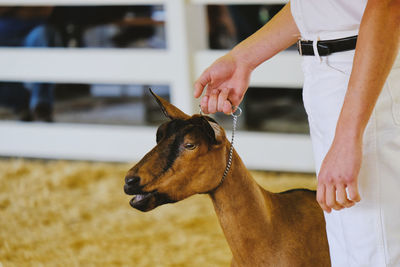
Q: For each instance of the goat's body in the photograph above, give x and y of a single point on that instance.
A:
(270, 229)
(262, 228)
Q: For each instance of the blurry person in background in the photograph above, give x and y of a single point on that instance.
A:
(221, 28)
(70, 26)
(249, 18)
(28, 27)
(107, 26)
(230, 24)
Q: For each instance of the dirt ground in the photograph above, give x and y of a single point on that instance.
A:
(62, 213)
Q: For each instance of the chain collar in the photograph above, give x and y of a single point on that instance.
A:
(235, 114)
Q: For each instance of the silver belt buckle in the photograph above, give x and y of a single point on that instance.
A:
(299, 47)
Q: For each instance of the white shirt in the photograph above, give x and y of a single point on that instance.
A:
(315, 18)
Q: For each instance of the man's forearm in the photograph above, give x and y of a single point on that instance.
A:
(278, 34)
(377, 47)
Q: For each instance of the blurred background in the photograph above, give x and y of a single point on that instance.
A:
(75, 114)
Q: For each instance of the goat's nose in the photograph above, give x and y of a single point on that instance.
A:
(132, 185)
(132, 180)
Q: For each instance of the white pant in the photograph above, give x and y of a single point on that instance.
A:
(367, 234)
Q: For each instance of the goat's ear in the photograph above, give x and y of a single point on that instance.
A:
(218, 131)
(168, 109)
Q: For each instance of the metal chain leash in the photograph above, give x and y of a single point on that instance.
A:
(234, 124)
(235, 114)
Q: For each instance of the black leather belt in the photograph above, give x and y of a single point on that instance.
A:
(327, 47)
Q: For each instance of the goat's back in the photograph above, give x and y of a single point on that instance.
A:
(300, 222)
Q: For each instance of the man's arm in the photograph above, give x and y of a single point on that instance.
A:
(377, 47)
(277, 35)
(228, 77)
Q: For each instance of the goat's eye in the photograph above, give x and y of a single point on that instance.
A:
(189, 146)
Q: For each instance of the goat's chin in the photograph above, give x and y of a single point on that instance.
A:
(149, 201)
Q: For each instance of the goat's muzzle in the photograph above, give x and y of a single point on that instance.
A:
(143, 201)
(132, 185)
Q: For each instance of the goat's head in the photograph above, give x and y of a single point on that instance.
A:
(189, 158)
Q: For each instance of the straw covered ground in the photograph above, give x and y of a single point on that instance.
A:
(61, 213)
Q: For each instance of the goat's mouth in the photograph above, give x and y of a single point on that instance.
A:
(148, 201)
(143, 202)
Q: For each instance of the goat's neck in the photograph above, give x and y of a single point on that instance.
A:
(243, 209)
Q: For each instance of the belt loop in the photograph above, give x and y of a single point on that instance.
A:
(299, 48)
(315, 48)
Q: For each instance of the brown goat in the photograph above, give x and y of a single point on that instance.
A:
(262, 228)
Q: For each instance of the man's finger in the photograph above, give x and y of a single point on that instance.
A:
(209, 90)
(201, 82)
(321, 197)
(227, 109)
(330, 196)
(222, 97)
(212, 101)
(341, 197)
(204, 104)
(234, 97)
(353, 192)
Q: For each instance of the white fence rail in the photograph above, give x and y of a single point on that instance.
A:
(183, 60)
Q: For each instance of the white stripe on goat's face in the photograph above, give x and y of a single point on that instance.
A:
(189, 158)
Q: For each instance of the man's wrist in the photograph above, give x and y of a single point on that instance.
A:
(349, 133)
(246, 59)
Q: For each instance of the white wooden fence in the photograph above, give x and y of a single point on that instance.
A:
(179, 65)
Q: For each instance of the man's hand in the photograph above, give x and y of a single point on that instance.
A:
(226, 81)
(338, 177)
